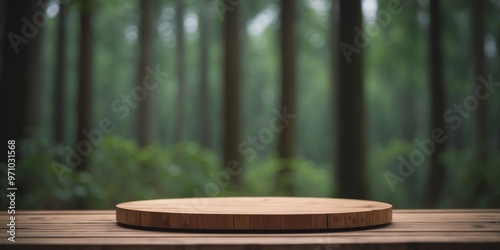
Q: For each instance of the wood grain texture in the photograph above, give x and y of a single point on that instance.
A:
(254, 213)
(410, 229)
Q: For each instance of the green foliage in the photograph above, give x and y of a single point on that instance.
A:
(34, 178)
(386, 158)
(468, 183)
(466, 175)
(305, 178)
(121, 171)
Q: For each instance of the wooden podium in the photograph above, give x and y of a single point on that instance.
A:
(253, 214)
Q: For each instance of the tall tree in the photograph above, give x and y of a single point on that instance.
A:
(3, 14)
(35, 81)
(20, 59)
(482, 110)
(288, 86)
(84, 116)
(349, 107)
(479, 69)
(406, 95)
(60, 72)
(436, 172)
(145, 130)
(231, 105)
(203, 102)
(181, 72)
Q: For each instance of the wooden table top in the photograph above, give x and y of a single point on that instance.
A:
(410, 229)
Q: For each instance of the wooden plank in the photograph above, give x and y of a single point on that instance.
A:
(407, 235)
(401, 228)
(416, 246)
(435, 211)
(409, 230)
(475, 220)
(245, 240)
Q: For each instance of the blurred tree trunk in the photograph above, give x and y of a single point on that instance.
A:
(288, 79)
(35, 80)
(409, 95)
(3, 15)
(21, 59)
(408, 120)
(231, 105)
(350, 113)
(84, 116)
(60, 72)
(436, 172)
(145, 126)
(203, 102)
(457, 134)
(406, 94)
(181, 73)
(479, 69)
(482, 155)
(409, 103)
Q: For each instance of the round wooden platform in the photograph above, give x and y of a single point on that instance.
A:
(253, 213)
